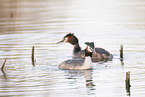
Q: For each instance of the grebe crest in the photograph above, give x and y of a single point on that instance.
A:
(72, 39)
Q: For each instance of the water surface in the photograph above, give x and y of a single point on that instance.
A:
(42, 23)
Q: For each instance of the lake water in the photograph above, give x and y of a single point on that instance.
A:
(42, 23)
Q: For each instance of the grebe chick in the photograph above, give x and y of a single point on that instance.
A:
(77, 64)
(100, 55)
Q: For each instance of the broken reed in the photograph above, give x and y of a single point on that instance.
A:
(2, 69)
(32, 56)
(128, 82)
(121, 52)
(3, 65)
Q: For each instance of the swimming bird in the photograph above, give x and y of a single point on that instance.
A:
(79, 64)
(100, 55)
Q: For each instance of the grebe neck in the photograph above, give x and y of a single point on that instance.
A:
(87, 63)
(76, 48)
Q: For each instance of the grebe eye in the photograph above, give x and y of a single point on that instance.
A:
(65, 39)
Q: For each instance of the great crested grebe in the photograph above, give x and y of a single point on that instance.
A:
(78, 64)
(100, 55)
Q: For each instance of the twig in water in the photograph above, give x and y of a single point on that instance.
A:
(3, 65)
(121, 52)
(128, 82)
(2, 69)
(32, 56)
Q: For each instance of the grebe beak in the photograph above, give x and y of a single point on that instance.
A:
(93, 50)
(60, 41)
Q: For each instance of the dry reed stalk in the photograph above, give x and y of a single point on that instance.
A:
(121, 52)
(32, 56)
(3, 65)
(128, 82)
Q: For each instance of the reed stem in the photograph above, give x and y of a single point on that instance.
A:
(2, 69)
(32, 56)
(121, 52)
(128, 82)
(3, 65)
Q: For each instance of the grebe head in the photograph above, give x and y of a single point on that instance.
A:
(70, 37)
(89, 49)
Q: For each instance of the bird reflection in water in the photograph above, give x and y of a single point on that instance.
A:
(88, 77)
(73, 74)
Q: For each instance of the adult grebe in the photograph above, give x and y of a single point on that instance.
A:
(100, 55)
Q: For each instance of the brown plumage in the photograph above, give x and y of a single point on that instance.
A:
(100, 55)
